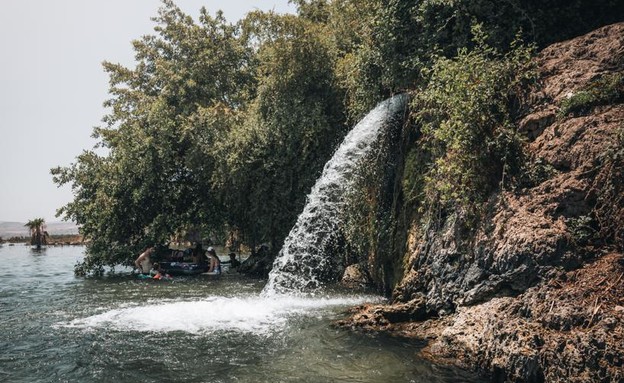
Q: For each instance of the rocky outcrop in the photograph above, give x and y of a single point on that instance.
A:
(355, 277)
(568, 329)
(259, 262)
(531, 296)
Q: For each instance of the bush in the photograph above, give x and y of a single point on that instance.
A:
(465, 117)
(607, 90)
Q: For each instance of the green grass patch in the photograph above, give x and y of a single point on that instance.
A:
(607, 90)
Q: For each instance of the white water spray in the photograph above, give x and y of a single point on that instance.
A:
(303, 262)
(250, 314)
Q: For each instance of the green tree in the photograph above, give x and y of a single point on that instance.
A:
(290, 129)
(166, 116)
(38, 235)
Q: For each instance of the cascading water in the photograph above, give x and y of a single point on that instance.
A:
(304, 262)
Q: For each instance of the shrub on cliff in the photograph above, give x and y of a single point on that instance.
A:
(606, 90)
(468, 141)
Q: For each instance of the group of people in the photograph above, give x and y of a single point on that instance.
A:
(198, 256)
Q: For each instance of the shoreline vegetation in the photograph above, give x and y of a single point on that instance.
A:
(54, 240)
(55, 233)
(486, 228)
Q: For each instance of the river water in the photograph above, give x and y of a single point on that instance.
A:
(55, 327)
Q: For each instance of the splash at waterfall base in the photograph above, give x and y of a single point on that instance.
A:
(527, 297)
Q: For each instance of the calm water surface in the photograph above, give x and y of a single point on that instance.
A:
(55, 327)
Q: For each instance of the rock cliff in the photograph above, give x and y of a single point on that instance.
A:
(536, 293)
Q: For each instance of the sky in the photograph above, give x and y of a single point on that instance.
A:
(52, 85)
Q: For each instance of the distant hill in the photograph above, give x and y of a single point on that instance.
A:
(17, 229)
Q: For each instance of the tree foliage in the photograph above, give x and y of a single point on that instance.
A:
(465, 115)
(217, 127)
(290, 129)
(166, 117)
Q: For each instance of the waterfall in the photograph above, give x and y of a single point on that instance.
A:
(305, 260)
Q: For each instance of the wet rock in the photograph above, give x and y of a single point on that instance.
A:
(414, 310)
(355, 277)
(258, 264)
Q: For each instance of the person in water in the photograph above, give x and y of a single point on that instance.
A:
(160, 273)
(144, 261)
(198, 256)
(233, 262)
(215, 262)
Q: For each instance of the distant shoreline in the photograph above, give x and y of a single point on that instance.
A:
(55, 240)
(17, 229)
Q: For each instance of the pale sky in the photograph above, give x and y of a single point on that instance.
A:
(52, 85)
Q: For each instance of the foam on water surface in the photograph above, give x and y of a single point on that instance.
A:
(252, 314)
